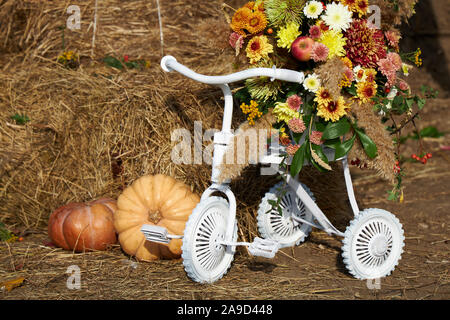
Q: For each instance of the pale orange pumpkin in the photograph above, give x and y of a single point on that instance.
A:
(157, 200)
(83, 226)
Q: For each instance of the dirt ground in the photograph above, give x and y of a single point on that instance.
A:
(313, 270)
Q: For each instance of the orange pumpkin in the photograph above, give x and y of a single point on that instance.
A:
(83, 226)
(158, 200)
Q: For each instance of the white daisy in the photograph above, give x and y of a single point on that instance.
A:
(392, 94)
(359, 74)
(337, 16)
(313, 9)
(312, 82)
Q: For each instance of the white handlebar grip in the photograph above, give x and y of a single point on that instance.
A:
(165, 61)
(289, 75)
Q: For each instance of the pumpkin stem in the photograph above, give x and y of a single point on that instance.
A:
(154, 217)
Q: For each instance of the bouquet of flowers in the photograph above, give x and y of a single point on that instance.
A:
(355, 97)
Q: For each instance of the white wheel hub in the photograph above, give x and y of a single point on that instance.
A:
(283, 228)
(379, 246)
(373, 244)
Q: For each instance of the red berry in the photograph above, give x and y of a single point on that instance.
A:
(429, 155)
(424, 160)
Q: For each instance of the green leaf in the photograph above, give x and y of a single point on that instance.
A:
(369, 146)
(397, 102)
(409, 102)
(343, 148)
(336, 129)
(320, 126)
(20, 118)
(243, 95)
(431, 132)
(297, 136)
(113, 62)
(5, 234)
(280, 211)
(392, 195)
(333, 143)
(421, 103)
(298, 159)
(352, 90)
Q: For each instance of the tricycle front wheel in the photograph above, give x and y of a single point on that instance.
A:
(205, 259)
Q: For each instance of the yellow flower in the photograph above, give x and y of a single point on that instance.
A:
(405, 69)
(258, 48)
(251, 111)
(332, 110)
(418, 59)
(287, 35)
(284, 113)
(366, 91)
(361, 7)
(348, 63)
(257, 22)
(323, 96)
(370, 75)
(335, 42)
(283, 134)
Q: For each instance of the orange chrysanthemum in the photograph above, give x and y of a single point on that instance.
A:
(254, 7)
(257, 22)
(240, 20)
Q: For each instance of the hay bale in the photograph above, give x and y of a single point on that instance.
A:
(95, 130)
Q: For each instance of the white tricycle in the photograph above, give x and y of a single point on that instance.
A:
(372, 243)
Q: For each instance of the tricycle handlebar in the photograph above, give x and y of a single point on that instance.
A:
(169, 63)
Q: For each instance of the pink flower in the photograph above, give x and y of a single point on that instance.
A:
(292, 149)
(388, 69)
(294, 102)
(296, 125)
(349, 74)
(403, 85)
(319, 52)
(316, 137)
(395, 59)
(393, 39)
(315, 32)
(236, 40)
